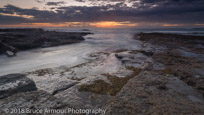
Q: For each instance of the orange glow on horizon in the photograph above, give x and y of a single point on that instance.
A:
(169, 25)
(199, 24)
(104, 24)
(111, 24)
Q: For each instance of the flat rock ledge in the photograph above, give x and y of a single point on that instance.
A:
(14, 83)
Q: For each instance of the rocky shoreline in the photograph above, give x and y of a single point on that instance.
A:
(14, 40)
(172, 80)
(165, 76)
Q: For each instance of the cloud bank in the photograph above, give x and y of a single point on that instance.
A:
(187, 12)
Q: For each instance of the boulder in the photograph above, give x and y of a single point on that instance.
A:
(14, 83)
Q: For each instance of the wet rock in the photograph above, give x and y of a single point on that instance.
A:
(120, 56)
(63, 87)
(7, 49)
(185, 68)
(15, 83)
(178, 55)
(200, 86)
(117, 83)
(132, 59)
(52, 83)
(152, 93)
(146, 53)
(83, 99)
(24, 39)
(36, 100)
(158, 66)
(42, 72)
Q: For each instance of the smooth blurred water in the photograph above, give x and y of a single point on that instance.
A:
(70, 55)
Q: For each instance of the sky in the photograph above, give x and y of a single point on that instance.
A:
(102, 13)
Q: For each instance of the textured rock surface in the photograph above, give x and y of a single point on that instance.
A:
(24, 39)
(36, 100)
(15, 83)
(153, 93)
(48, 80)
(171, 79)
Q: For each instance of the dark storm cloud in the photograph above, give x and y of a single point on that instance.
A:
(169, 11)
(39, 15)
(152, 11)
(40, 1)
(55, 3)
(80, 0)
(12, 20)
